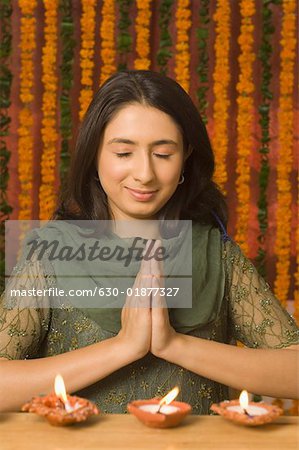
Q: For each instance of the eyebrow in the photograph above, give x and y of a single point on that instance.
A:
(128, 141)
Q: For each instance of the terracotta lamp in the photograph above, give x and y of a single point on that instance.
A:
(61, 409)
(247, 413)
(160, 413)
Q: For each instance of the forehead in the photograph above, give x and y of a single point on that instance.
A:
(141, 120)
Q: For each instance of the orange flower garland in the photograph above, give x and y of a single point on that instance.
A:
(182, 55)
(284, 166)
(25, 138)
(107, 40)
(142, 27)
(47, 191)
(245, 88)
(221, 78)
(87, 53)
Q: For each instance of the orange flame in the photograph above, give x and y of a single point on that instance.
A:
(243, 399)
(59, 388)
(170, 396)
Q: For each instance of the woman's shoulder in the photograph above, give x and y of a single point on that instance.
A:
(205, 231)
(50, 236)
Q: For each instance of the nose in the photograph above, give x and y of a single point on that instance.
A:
(143, 169)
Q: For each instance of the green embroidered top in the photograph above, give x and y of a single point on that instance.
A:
(249, 313)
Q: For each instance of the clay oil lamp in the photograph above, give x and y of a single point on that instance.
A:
(247, 413)
(59, 408)
(160, 413)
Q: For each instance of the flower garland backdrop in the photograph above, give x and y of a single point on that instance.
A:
(49, 132)
(26, 93)
(238, 62)
(221, 77)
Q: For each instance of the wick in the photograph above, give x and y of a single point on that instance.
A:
(158, 411)
(247, 414)
(75, 409)
(68, 407)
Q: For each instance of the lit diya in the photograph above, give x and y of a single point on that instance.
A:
(160, 413)
(245, 412)
(60, 408)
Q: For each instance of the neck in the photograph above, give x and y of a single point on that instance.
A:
(147, 229)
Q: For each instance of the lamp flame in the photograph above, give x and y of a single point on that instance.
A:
(59, 388)
(243, 399)
(170, 396)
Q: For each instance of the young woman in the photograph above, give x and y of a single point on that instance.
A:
(143, 155)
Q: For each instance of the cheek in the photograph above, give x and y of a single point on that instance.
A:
(169, 175)
(115, 172)
(111, 169)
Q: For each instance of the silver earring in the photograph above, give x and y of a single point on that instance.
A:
(182, 179)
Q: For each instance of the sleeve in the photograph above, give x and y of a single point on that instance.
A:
(256, 316)
(24, 317)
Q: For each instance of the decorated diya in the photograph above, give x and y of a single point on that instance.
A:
(160, 413)
(247, 413)
(61, 409)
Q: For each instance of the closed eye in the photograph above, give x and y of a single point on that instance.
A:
(162, 156)
(122, 155)
(125, 155)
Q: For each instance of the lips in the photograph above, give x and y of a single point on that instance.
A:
(139, 191)
(138, 194)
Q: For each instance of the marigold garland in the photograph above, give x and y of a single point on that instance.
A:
(142, 27)
(221, 78)
(107, 40)
(88, 24)
(245, 88)
(25, 137)
(182, 55)
(284, 165)
(47, 191)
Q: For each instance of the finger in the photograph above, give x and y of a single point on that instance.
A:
(157, 268)
(142, 279)
(143, 270)
(145, 264)
(158, 300)
(144, 286)
(141, 292)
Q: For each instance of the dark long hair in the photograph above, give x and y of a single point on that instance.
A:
(198, 198)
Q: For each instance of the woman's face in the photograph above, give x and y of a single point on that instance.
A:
(140, 161)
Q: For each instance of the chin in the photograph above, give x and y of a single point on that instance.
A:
(138, 215)
(147, 214)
